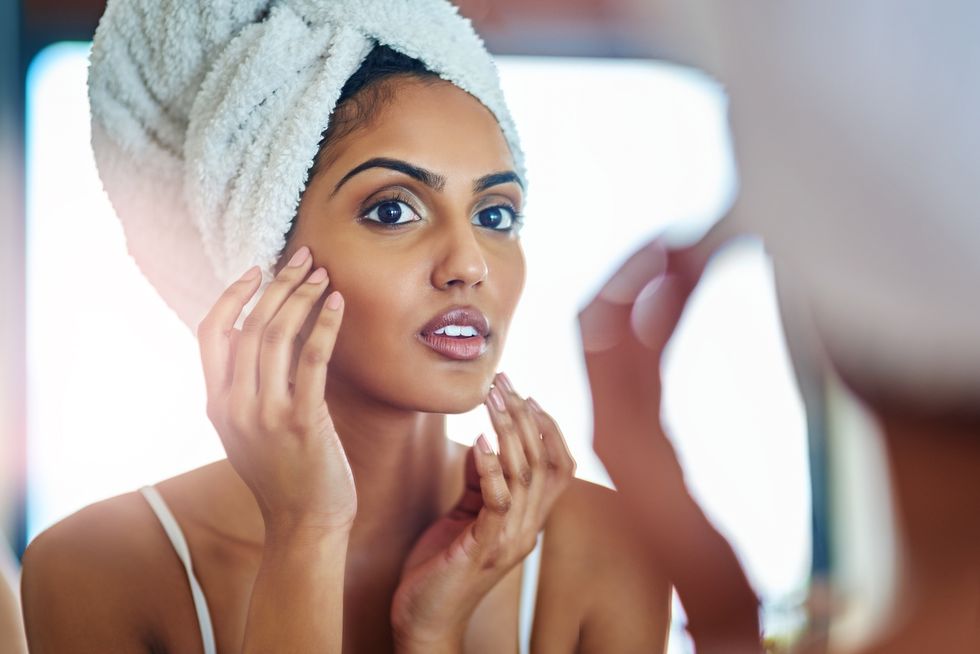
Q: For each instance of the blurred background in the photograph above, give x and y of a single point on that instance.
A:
(101, 390)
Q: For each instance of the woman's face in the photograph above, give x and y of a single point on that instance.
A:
(415, 218)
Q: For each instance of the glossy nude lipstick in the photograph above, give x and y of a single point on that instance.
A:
(459, 333)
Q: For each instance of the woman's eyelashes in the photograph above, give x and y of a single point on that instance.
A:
(397, 211)
(391, 213)
(501, 218)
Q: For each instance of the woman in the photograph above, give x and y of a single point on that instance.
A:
(342, 519)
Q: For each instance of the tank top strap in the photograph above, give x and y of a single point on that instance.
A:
(176, 536)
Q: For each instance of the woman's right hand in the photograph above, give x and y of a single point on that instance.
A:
(279, 436)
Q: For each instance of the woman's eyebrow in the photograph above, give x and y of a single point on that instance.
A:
(433, 180)
(494, 179)
(427, 177)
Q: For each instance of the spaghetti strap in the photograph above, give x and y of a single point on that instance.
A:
(176, 537)
(529, 593)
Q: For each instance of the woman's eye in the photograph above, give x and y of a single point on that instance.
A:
(499, 218)
(392, 212)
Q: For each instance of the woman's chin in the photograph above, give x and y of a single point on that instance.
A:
(459, 400)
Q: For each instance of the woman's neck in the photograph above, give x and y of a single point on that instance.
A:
(405, 469)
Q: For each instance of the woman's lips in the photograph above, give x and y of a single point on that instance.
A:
(454, 345)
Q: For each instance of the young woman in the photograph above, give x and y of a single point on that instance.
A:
(343, 518)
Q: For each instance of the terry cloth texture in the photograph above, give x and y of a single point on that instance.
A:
(207, 115)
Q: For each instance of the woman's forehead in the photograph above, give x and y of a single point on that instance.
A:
(432, 124)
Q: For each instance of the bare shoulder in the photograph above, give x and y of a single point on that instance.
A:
(85, 579)
(590, 520)
(107, 579)
(581, 504)
(599, 589)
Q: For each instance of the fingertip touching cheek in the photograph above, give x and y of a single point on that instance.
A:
(416, 217)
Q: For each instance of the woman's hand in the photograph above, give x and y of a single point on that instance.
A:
(281, 440)
(279, 436)
(625, 331)
(491, 529)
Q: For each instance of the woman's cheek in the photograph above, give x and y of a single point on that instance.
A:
(512, 275)
(378, 319)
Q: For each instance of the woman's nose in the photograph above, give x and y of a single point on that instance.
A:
(460, 260)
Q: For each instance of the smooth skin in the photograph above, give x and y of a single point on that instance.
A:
(343, 518)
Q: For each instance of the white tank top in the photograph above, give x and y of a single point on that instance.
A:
(529, 579)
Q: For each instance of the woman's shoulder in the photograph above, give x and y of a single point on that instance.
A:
(93, 575)
(106, 575)
(117, 531)
(596, 572)
(96, 541)
(590, 519)
(107, 538)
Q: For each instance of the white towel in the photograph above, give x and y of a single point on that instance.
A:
(207, 115)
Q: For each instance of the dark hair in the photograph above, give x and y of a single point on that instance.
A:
(361, 98)
(364, 94)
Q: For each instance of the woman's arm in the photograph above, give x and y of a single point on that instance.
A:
(280, 438)
(297, 600)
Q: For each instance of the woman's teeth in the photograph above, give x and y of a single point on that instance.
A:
(463, 331)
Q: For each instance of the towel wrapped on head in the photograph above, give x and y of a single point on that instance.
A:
(207, 116)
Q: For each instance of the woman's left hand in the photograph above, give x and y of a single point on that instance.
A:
(495, 524)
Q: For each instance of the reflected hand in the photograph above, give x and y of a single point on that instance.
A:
(625, 331)
(504, 505)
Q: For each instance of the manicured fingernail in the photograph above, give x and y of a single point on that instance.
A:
(250, 274)
(484, 445)
(299, 257)
(334, 300)
(497, 399)
(534, 405)
(318, 276)
(505, 382)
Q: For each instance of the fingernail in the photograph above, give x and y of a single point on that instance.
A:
(497, 399)
(250, 274)
(505, 381)
(657, 310)
(484, 445)
(299, 257)
(534, 405)
(334, 300)
(318, 276)
(645, 264)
